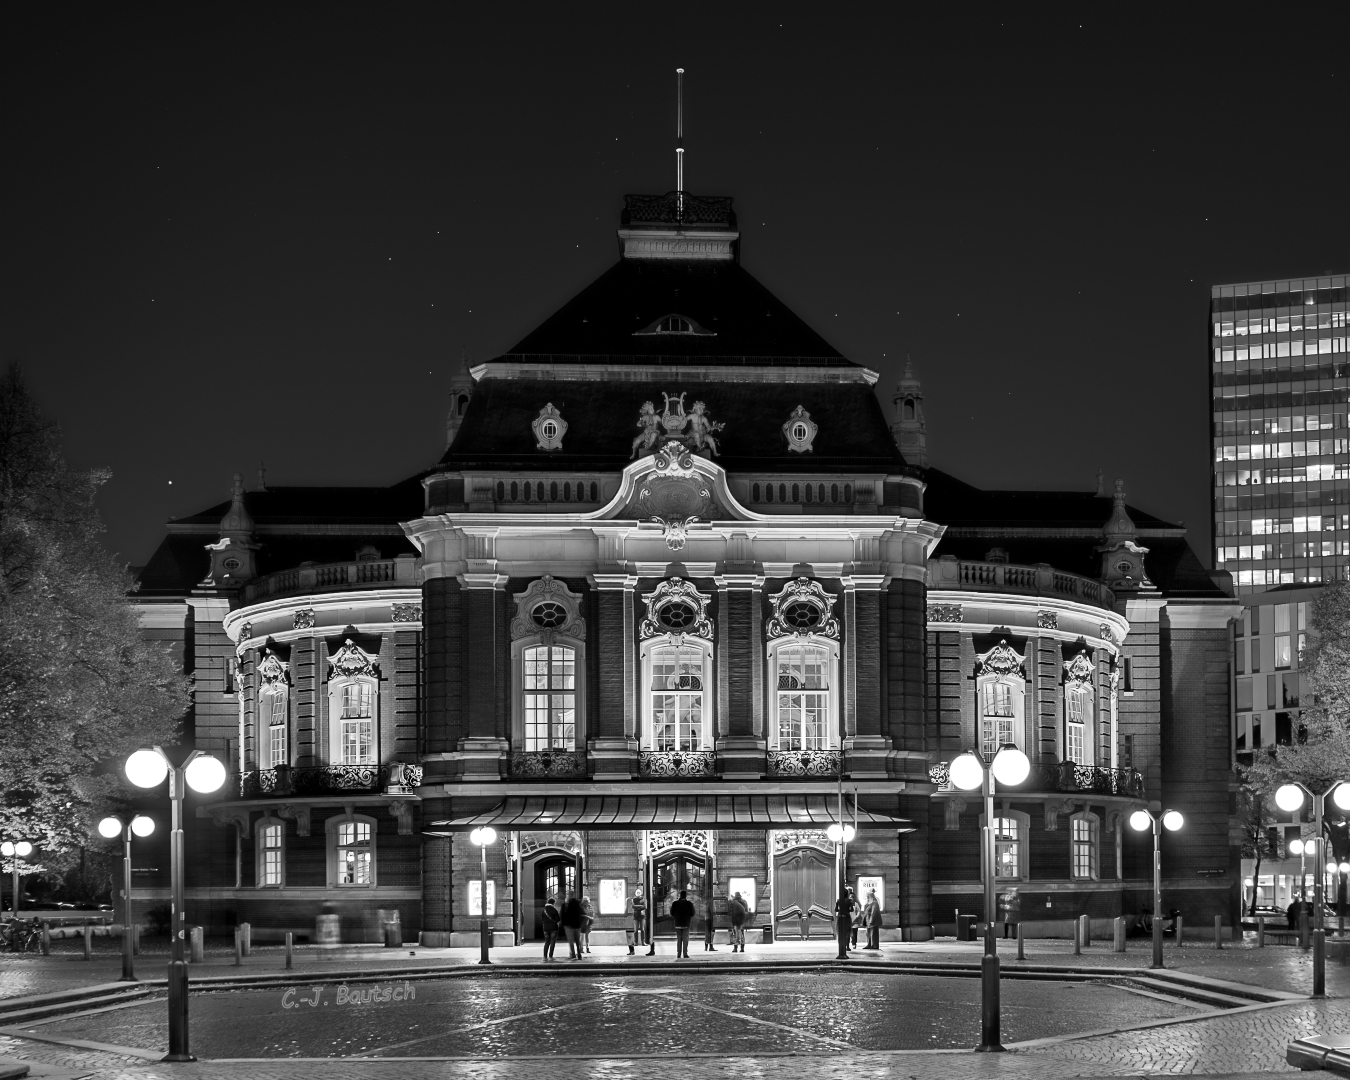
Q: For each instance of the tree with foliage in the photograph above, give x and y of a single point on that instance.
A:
(78, 685)
(1259, 837)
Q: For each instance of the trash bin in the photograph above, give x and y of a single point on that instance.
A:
(391, 928)
(768, 935)
(965, 928)
(327, 928)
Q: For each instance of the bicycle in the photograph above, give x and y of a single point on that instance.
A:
(21, 935)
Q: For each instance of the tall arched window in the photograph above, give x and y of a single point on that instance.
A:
(1000, 687)
(1078, 691)
(272, 719)
(803, 681)
(550, 697)
(676, 691)
(677, 671)
(1012, 829)
(271, 853)
(353, 707)
(351, 851)
(548, 654)
(804, 668)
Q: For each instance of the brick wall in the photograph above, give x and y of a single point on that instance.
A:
(442, 652)
(906, 668)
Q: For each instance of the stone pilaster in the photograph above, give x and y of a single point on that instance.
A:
(740, 662)
(614, 745)
(865, 744)
(484, 745)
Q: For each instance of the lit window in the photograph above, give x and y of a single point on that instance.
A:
(358, 724)
(1008, 836)
(676, 695)
(1000, 716)
(276, 729)
(1078, 712)
(1083, 830)
(550, 679)
(355, 854)
(675, 325)
(270, 858)
(803, 697)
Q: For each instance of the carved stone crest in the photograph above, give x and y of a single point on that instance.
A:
(676, 607)
(1047, 620)
(407, 613)
(1104, 630)
(246, 632)
(695, 429)
(549, 428)
(1002, 659)
(548, 607)
(674, 494)
(351, 660)
(304, 620)
(800, 430)
(271, 670)
(803, 607)
(1079, 670)
(944, 613)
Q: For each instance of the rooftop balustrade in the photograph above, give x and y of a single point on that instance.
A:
(949, 572)
(334, 577)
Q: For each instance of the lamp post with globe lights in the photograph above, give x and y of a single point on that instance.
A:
(1159, 819)
(205, 774)
(1296, 847)
(14, 850)
(109, 828)
(483, 837)
(841, 833)
(968, 772)
(1289, 798)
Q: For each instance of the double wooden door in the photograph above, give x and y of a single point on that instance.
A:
(803, 894)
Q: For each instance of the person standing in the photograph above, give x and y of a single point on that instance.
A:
(872, 920)
(552, 921)
(571, 922)
(682, 914)
(587, 921)
(736, 913)
(854, 919)
(1011, 903)
(639, 908)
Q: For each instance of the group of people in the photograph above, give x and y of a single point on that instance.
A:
(574, 921)
(860, 917)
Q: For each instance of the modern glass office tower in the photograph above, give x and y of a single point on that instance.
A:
(1281, 383)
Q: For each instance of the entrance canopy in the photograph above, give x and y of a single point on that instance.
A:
(664, 811)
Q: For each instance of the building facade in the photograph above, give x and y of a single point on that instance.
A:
(677, 597)
(1281, 457)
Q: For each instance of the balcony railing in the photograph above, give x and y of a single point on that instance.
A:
(677, 764)
(805, 763)
(330, 577)
(950, 572)
(547, 765)
(393, 779)
(1066, 776)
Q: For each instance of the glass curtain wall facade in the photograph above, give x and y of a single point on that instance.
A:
(1280, 382)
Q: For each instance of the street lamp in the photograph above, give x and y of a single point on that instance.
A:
(840, 833)
(484, 837)
(15, 850)
(109, 828)
(1289, 798)
(1171, 820)
(969, 771)
(1297, 847)
(201, 773)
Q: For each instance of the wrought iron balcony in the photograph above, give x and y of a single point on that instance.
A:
(547, 765)
(1066, 776)
(805, 763)
(677, 764)
(393, 779)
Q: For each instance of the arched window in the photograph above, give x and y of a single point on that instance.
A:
(353, 707)
(804, 701)
(909, 408)
(462, 403)
(1078, 724)
(677, 671)
(548, 653)
(1085, 838)
(675, 325)
(351, 851)
(1011, 831)
(550, 697)
(1000, 689)
(273, 711)
(270, 870)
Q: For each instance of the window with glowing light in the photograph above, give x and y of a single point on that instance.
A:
(1011, 831)
(351, 850)
(1001, 702)
(274, 708)
(1077, 717)
(271, 853)
(358, 723)
(803, 677)
(676, 697)
(550, 701)
(1085, 841)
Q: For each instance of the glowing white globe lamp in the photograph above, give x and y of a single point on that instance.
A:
(1289, 797)
(23, 849)
(1344, 868)
(1173, 820)
(1296, 847)
(204, 773)
(110, 828)
(840, 833)
(7, 848)
(1248, 882)
(147, 768)
(1341, 796)
(1011, 766)
(142, 825)
(484, 836)
(1139, 820)
(1331, 867)
(967, 772)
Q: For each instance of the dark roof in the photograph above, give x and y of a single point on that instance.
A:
(331, 505)
(745, 323)
(602, 422)
(954, 502)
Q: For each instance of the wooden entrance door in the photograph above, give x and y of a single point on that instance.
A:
(803, 894)
(671, 874)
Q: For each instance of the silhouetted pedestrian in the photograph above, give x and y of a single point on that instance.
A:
(736, 913)
(552, 921)
(682, 914)
(571, 921)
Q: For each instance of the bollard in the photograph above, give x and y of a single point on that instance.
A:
(1085, 929)
(1021, 942)
(1119, 943)
(88, 942)
(1180, 926)
(247, 928)
(1260, 931)
(1218, 931)
(1303, 929)
(1077, 937)
(196, 935)
(46, 939)
(238, 948)
(290, 948)
(135, 939)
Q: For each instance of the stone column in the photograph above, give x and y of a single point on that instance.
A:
(740, 664)
(867, 747)
(615, 743)
(484, 745)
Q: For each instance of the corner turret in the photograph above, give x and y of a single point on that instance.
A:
(1122, 558)
(232, 562)
(461, 392)
(910, 428)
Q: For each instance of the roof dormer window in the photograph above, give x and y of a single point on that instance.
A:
(675, 324)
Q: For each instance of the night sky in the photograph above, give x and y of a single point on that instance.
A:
(233, 235)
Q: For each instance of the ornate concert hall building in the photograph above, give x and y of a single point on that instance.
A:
(677, 596)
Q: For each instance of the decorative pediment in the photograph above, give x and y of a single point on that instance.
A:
(1079, 670)
(1002, 659)
(549, 428)
(547, 608)
(352, 661)
(271, 670)
(803, 607)
(787, 839)
(674, 494)
(688, 839)
(800, 431)
(531, 843)
(676, 608)
(940, 613)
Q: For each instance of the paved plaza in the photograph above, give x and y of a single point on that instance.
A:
(615, 1016)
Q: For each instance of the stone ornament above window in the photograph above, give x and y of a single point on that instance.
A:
(803, 607)
(246, 632)
(800, 430)
(787, 839)
(352, 661)
(549, 428)
(271, 670)
(676, 608)
(689, 839)
(944, 613)
(546, 608)
(407, 613)
(1002, 659)
(1104, 630)
(1047, 620)
(693, 429)
(304, 620)
(1079, 670)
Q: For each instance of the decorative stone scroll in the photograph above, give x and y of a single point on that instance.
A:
(407, 613)
(674, 494)
(298, 814)
(1105, 632)
(271, 670)
(303, 620)
(676, 608)
(1002, 659)
(1047, 620)
(803, 608)
(1079, 670)
(1052, 811)
(547, 608)
(787, 839)
(238, 816)
(352, 661)
(245, 632)
(944, 613)
(531, 843)
(689, 839)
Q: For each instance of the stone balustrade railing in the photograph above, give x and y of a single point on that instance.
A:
(949, 572)
(331, 577)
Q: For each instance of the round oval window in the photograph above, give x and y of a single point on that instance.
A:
(549, 615)
(799, 432)
(550, 429)
(677, 616)
(231, 564)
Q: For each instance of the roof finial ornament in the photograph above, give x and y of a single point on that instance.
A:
(679, 138)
